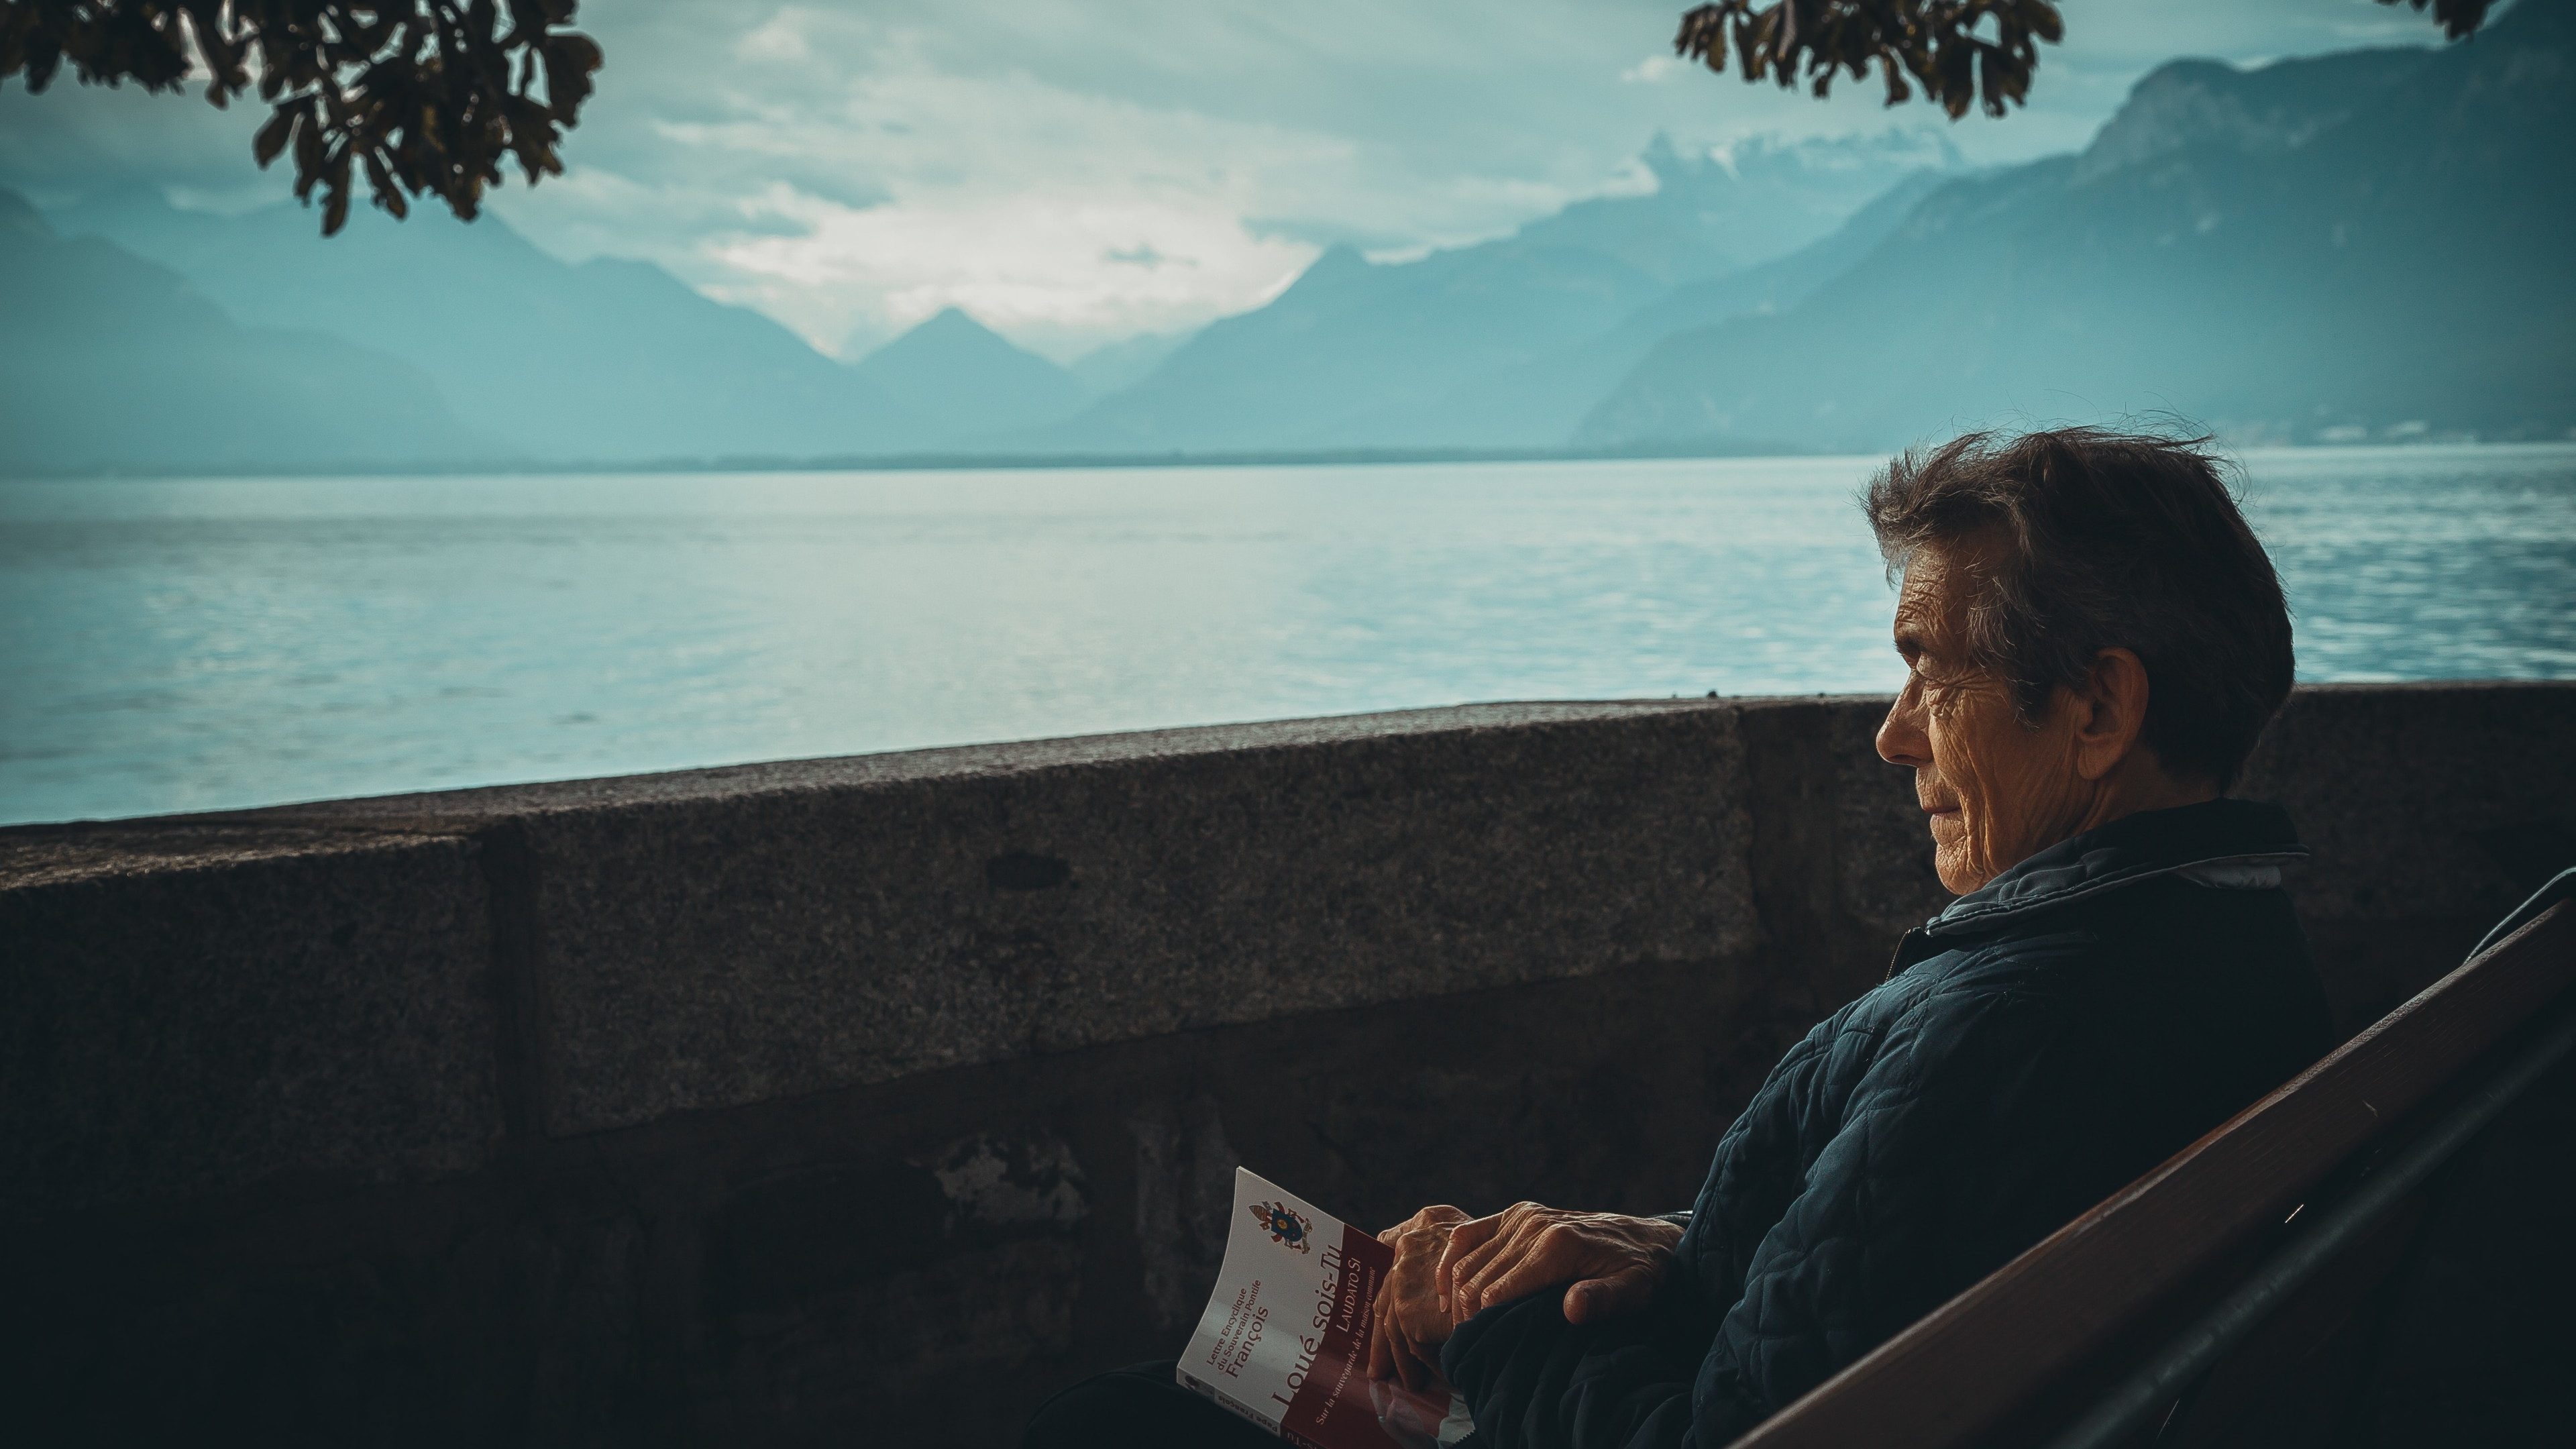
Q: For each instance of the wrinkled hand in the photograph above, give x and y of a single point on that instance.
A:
(1410, 1322)
(1614, 1263)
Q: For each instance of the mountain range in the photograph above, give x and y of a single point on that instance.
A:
(962, 379)
(2359, 244)
(2352, 245)
(1411, 354)
(605, 359)
(114, 362)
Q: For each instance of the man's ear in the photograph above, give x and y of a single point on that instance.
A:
(2111, 712)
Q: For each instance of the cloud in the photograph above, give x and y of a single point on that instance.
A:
(891, 187)
(850, 171)
(1654, 69)
(1060, 266)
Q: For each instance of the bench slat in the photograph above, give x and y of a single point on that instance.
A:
(1967, 1365)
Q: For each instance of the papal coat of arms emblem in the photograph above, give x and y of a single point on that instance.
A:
(1287, 1226)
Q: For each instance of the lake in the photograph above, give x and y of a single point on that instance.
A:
(195, 644)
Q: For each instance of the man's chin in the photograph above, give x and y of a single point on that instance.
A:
(1950, 863)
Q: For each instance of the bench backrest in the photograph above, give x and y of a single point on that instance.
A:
(1987, 1355)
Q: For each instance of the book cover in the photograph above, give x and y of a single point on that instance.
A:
(1284, 1340)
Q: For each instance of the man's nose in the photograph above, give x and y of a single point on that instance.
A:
(1901, 740)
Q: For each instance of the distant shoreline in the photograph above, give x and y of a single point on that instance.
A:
(937, 462)
(1030, 462)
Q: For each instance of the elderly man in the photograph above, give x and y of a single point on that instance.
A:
(2093, 641)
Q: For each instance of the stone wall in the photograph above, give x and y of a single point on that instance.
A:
(869, 1100)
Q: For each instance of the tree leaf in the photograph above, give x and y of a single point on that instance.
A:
(272, 137)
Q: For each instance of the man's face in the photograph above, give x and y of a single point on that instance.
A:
(1996, 790)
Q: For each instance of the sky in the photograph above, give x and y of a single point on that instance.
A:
(1076, 173)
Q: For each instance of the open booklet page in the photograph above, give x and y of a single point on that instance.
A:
(1284, 1341)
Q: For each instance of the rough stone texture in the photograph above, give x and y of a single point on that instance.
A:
(1184, 1202)
(1887, 885)
(872, 1100)
(707, 949)
(145, 850)
(449, 809)
(2432, 810)
(183, 1014)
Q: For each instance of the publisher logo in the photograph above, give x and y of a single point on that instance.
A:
(1288, 1227)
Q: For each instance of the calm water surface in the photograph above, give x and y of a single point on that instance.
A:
(204, 644)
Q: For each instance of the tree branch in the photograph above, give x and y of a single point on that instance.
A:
(420, 95)
(1961, 52)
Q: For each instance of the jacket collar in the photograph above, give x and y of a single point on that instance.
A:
(2227, 843)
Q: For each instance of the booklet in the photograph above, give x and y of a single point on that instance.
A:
(1284, 1341)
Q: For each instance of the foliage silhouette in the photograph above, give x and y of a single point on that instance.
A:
(1935, 42)
(428, 97)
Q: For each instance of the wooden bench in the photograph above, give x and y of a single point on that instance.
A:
(2235, 1271)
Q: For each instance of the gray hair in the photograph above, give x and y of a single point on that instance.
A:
(2098, 540)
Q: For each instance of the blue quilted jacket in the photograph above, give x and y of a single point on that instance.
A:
(2036, 1046)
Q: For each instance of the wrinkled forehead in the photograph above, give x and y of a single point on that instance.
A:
(1940, 581)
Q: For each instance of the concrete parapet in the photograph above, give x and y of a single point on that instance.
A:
(2429, 806)
(884, 1094)
(187, 1010)
(741, 936)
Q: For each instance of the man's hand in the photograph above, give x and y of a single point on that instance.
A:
(1410, 1322)
(1614, 1262)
